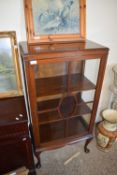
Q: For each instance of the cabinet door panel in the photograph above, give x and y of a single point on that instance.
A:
(15, 153)
(59, 92)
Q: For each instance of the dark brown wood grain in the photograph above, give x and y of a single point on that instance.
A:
(16, 152)
(59, 84)
(54, 115)
(12, 109)
(56, 131)
(37, 49)
(15, 143)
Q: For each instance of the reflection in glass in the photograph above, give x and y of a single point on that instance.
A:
(7, 71)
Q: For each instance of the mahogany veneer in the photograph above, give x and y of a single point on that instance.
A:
(15, 143)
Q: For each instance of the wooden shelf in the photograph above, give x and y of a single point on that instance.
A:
(50, 111)
(48, 104)
(59, 84)
(58, 130)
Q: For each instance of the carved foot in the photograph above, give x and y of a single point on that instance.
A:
(87, 150)
(38, 164)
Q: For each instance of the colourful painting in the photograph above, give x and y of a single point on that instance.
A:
(56, 16)
(7, 70)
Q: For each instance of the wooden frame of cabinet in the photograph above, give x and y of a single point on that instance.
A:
(32, 38)
(58, 53)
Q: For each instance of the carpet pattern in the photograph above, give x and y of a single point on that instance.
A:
(94, 163)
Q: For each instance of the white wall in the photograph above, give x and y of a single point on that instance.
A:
(12, 17)
(101, 27)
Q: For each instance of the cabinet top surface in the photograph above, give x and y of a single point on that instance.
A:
(59, 47)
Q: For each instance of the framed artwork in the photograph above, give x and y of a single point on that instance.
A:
(10, 81)
(55, 20)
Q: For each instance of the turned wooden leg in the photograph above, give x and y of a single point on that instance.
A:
(87, 150)
(38, 164)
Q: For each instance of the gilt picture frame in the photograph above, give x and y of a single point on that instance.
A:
(10, 80)
(55, 21)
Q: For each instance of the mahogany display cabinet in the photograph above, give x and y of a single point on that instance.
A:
(63, 82)
(15, 142)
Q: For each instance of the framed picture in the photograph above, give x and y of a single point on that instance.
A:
(55, 20)
(10, 82)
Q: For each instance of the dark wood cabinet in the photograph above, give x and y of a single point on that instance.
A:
(64, 82)
(15, 143)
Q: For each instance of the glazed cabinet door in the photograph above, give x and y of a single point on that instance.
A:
(62, 96)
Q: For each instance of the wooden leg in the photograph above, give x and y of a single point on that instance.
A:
(38, 164)
(87, 150)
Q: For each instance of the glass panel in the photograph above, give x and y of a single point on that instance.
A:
(7, 70)
(60, 78)
(65, 95)
(72, 127)
(53, 131)
(91, 69)
(56, 17)
(88, 96)
(78, 125)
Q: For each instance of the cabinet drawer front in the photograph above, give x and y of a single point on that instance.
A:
(12, 110)
(14, 129)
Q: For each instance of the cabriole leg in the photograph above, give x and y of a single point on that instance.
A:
(87, 150)
(38, 164)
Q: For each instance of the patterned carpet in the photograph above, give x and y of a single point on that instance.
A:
(94, 163)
